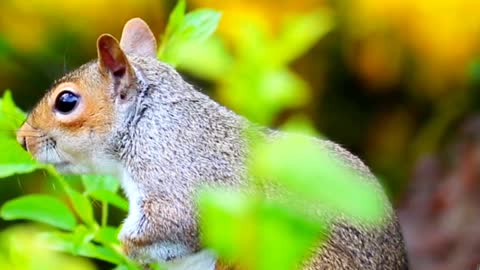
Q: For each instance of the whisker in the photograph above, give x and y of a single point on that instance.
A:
(20, 185)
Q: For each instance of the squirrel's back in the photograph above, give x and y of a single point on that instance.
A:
(209, 143)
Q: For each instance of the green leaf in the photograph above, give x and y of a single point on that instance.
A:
(41, 208)
(299, 34)
(312, 171)
(195, 28)
(94, 183)
(107, 235)
(111, 198)
(15, 160)
(209, 61)
(81, 236)
(248, 230)
(11, 111)
(198, 25)
(80, 202)
(66, 242)
(176, 17)
(82, 206)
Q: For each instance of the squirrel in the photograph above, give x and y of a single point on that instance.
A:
(129, 115)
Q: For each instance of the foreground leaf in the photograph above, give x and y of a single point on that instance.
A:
(93, 183)
(257, 234)
(66, 242)
(41, 208)
(185, 30)
(311, 171)
(111, 198)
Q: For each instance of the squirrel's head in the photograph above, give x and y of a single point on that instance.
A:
(70, 125)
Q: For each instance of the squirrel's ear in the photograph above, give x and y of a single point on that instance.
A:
(138, 39)
(111, 58)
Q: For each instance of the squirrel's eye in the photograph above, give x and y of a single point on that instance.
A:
(66, 101)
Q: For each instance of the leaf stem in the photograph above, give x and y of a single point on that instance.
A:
(104, 214)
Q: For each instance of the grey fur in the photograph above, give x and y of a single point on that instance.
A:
(179, 139)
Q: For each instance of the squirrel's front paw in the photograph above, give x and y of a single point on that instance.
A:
(147, 252)
(146, 248)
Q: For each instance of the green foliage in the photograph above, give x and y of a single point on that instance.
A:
(41, 208)
(13, 159)
(186, 30)
(20, 248)
(84, 236)
(255, 78)
(255, 233)
(294, 162)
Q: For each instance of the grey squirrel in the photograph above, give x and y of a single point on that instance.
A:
(129, 115)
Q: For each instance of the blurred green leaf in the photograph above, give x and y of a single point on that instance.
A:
(107, 235)
(176, 17)
(209, 61)
(299, 34)
(22, 249)
(66, 242)
(111, 198)
(261, 93)
(308, 168)
(93, 183)
(248, 230)
(80, 202)
(81, 236)
(82, 206)
(41, 208)
(194, 28)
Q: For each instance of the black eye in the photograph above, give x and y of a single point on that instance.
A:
(66, 101)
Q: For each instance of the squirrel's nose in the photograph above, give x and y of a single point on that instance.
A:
(22, 140)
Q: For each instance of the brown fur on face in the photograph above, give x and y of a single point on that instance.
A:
(93, 114)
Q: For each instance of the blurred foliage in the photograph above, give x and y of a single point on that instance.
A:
(17, 246)
(86, 238)
(389, 80)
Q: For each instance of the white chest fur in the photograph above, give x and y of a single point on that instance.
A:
(203, 260)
